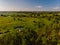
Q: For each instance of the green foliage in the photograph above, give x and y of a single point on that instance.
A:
(29, 28)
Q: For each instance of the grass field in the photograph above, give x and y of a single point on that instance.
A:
(29, 28)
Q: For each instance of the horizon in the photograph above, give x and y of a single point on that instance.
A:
(29, 5)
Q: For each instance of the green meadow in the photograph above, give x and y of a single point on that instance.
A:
(29, 28)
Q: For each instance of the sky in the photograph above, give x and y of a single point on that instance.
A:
(29, 5)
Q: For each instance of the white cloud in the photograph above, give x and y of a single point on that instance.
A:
(39, 6)
(56, 8)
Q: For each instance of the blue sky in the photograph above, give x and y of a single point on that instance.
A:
(29, 5)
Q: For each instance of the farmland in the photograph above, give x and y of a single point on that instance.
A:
(29, 28)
